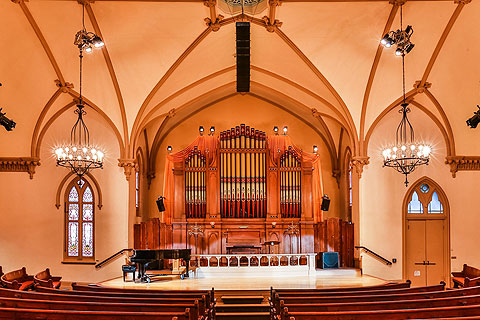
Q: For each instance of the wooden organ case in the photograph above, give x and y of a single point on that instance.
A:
(238, 191)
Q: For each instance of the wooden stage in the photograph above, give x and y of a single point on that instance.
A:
(344, 277)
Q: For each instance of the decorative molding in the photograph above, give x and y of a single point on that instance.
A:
(92, 180)
(397, 2)
(336, 173)
(128, 166)
(64, 87)
(17, 164)
(421, 87)
(462, 1)
(271, 26)
(209, 3)
(214, 25)
(359, 162)
(463, 163)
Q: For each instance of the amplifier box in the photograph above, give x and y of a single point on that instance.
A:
(328, 260)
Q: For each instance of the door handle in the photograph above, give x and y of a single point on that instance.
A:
(420, 264)
(430, 263)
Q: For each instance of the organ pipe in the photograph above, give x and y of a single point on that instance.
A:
(195, 185)
(290, 181)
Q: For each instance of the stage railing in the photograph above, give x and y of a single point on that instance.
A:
(280, 261)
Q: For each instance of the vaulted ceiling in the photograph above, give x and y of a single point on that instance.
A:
(321, 60)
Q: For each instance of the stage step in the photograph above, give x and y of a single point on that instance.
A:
(251, 307)
(242, 299)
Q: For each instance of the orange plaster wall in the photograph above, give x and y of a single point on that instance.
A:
(382, 194)
(33, 228)
(253, 112)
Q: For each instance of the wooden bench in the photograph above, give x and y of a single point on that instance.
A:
(135, 299)
(427, 313)
(18, 280)
(468, 277)
(309, 295)
(18, 313)
(380, 305)
(386, 286)
(210, 294)
(45, 279)
(100, 306)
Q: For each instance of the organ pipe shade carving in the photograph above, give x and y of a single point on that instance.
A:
(243, 173)
(195, 185)
(290, 182)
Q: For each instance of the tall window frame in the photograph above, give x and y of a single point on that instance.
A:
(79, 230)
(349, 183)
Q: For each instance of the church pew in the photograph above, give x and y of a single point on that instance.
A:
(386, 286)
(80, 287)
(426, 313)
(14, 313)
(99, 306)
(275, 305)
(104, 299)
(380, 305)
(278, 294)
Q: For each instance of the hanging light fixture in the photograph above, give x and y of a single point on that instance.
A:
(86, 40)
(79, 156)
(406, 155)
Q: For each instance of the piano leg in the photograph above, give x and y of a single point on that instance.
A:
(187, 262)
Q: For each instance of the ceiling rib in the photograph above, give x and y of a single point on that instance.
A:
(440, 43)
(40, 37)
(371, 77)
(111, 70)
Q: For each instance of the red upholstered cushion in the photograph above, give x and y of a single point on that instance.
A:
(25, 285)
(56, 284)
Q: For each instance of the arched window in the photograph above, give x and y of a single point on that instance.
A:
(349, 184)
(79, 222)
(425, 199)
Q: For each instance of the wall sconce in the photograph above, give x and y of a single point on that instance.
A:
(212, 130)
(212, 224)
(285, 130)
(274, 224)
(200, 130)
(169, 149)
(275, 130)
(315, 149)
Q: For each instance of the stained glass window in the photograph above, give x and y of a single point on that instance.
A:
(73, 239)
(415, 206)
(435, 206)
(137, 189)
(73, 211)
(73, 195)
(424, 188)
(80, 221)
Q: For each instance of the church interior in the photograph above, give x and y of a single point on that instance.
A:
(243, 134)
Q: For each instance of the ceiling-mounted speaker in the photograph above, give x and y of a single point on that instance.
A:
(243, 56)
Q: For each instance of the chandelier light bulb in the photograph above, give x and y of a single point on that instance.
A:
(84, 150)
(403, 148)
(412, 147)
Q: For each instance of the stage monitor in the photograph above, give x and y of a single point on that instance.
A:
(325, 203)
(160, 205)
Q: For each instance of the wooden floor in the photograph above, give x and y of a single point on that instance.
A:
(255, 281)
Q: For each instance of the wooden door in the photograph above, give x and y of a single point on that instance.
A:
(435, 251)
(415, 249)
(424, 252)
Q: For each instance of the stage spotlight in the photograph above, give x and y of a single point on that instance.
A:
(398, 52)
(160, 204)
(275, 129)
(212, 130)
(315, 149)
(409, 47)
(4, 121)
(472, 122)
(385, 40)
(169, 148)
(201, 129)
(285, 130)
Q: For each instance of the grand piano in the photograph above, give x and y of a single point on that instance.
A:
(153, 260)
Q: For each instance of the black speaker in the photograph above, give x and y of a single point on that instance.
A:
(243, 56)
(328, 260)
(160, 205)
(325, 203)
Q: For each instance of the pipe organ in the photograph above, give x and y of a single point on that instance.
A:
(290, 190)
(195, 185)
(243, 173)
(245, 190)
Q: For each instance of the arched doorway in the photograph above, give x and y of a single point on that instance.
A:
(426, 240)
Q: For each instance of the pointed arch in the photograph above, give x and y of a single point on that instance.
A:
(93, 182)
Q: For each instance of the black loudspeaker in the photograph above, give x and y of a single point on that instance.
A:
(325, 203)
(328, 260)
(243, 56)
(160, 205)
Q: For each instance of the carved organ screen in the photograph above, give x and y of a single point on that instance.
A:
(243, 188)
(290, 182)
(195, 185)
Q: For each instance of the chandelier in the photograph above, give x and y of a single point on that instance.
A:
(405, 155)
(79, 156)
